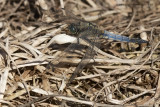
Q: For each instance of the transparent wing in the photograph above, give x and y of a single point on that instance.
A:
(91, 40)
(90, 52)
(67, 16)
(88, 34)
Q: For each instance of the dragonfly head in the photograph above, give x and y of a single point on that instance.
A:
(73, 28)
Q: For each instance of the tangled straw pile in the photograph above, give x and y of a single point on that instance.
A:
(120, 74)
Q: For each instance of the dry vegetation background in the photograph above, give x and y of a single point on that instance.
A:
(121, 74)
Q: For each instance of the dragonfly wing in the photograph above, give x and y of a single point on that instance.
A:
(90, 52)
(71, 49)
(85, 31)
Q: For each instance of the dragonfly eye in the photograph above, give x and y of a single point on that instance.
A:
(72, 28)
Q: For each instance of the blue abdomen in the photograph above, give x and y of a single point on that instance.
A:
(122, 38)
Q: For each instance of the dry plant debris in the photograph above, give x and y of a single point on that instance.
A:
(121, 74)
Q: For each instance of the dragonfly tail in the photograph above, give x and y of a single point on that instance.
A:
(122, 38)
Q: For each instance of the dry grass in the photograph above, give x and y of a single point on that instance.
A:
(120, 74)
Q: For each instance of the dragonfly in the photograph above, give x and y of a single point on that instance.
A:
(90, 33)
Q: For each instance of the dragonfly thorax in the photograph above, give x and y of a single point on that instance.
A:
(76, 28)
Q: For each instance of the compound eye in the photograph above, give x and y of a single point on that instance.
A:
(72, 28)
